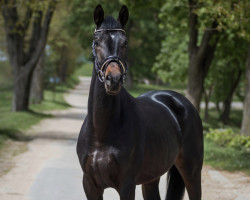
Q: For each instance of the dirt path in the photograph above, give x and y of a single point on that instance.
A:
(49, 169)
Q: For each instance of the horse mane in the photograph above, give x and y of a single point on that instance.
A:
(110, 23)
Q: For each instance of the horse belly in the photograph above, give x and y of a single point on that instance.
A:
(159, 158)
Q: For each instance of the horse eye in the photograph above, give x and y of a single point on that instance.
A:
(96, 44)
(125, 44)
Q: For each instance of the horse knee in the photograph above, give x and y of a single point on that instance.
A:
(91, 190)
(127, 190)
(150, 191)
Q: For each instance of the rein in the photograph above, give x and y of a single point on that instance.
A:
(100, 68)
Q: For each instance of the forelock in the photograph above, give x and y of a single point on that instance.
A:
(110, 23)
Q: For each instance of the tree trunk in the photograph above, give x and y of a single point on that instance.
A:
(63, 66)
(234, 81)
(207, 96)
(37, 86)
(20, 101)
(226, 109)
(245, 127)
(217, 106)
(200, 57)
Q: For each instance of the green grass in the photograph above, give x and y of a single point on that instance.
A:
(13, 124)
(226, 158)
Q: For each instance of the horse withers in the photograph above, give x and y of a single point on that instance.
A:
(126, 141)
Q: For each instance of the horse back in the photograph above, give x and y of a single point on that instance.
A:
(178, 107)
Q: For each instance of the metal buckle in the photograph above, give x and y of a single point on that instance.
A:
(100, 76)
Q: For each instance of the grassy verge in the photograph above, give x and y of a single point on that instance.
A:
(226, 158)
(12, 124)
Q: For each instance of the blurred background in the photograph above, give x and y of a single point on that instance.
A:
(200, 48)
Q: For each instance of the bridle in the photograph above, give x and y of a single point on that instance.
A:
(100, 68)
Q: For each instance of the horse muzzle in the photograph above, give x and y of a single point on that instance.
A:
(113, 78)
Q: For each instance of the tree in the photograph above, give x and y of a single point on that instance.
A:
(244, 15)
(204, 21)
(64, 50)
(181, 51)
(37, 86)
(23, 57)
(226, 71)
(200, 56)
(245, 127)
(172, 61)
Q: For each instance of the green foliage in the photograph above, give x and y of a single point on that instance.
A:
(229, 61)
(230, 15)
(227, 138)
(227, 158)
(172, 61)
(233, 22)
(63, 52)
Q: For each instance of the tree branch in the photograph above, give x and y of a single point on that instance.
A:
(27, 18)
(36, 31)
(43, 37)
(13, 31)
(206, 44)
(236, 80)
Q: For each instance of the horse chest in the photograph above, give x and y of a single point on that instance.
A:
(103, 167)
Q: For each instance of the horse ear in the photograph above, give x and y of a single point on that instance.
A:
(98, 15)
(123, 16)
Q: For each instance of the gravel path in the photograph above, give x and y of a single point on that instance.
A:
(49, 169)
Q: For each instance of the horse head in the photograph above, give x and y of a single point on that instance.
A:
(110, 49)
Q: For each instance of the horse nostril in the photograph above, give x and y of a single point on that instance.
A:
(108, 78)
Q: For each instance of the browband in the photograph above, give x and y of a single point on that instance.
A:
(115, 29)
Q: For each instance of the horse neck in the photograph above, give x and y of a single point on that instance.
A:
(103, 109)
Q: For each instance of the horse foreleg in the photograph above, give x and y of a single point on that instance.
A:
(91, 190)
(150, 191)
(127, 190)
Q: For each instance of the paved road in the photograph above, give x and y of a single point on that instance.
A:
(49, 170)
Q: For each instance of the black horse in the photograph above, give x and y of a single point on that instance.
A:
(126, 141)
